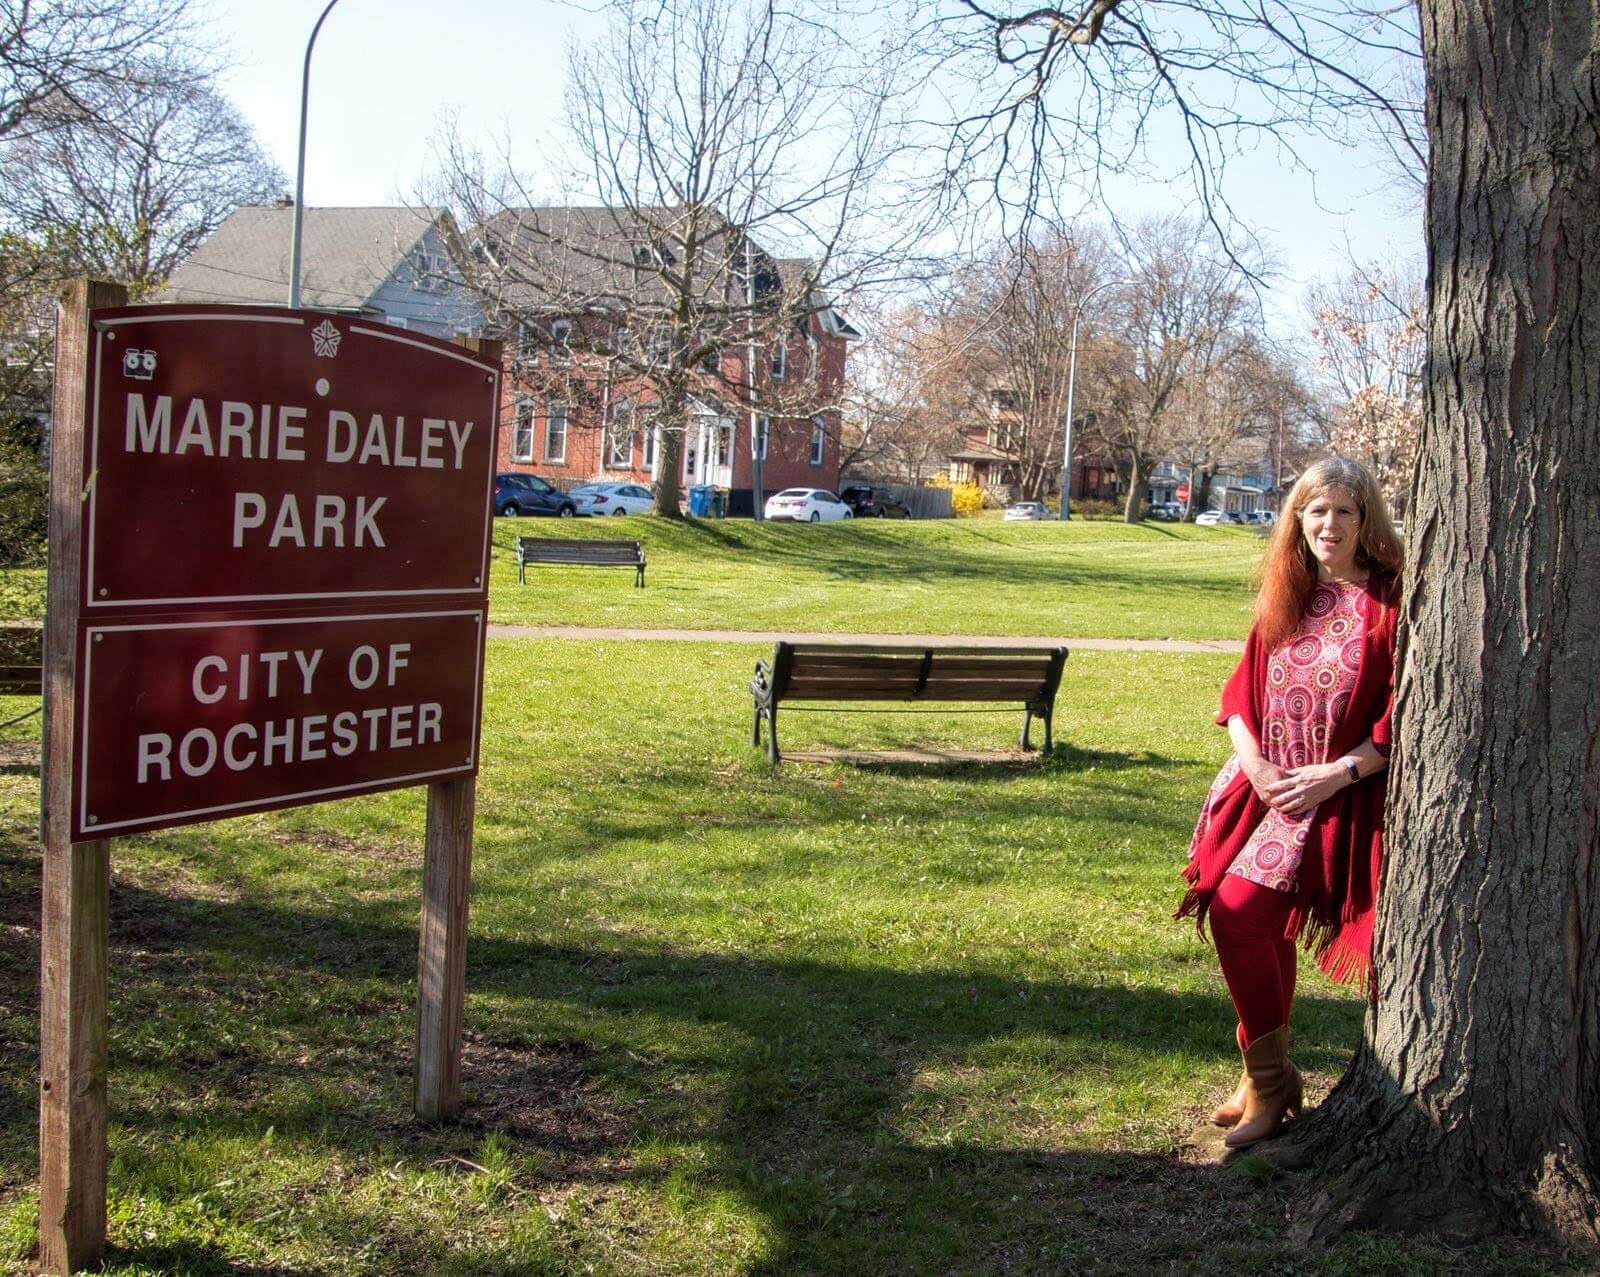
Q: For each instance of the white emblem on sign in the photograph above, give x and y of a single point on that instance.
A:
(139, 364)
(325, 339)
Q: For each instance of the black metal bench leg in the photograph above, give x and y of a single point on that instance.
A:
(1027, 720)
(755, 730)
(1049, 740)
(772, 735)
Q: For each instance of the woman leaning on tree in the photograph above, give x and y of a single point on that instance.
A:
(1289, 841)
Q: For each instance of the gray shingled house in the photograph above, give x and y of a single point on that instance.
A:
(390, 264)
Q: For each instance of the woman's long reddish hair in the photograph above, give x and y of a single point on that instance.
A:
(1289, 571)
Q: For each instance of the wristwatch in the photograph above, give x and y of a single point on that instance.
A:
(1350, 766)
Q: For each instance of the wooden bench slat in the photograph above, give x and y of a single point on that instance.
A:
(905, 673)
(560, 552)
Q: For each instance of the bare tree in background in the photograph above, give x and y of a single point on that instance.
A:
(62, 61)
(1368, 326)
(134, 186)
(1233, 417)
(1185, 318)
(907, 394)
(733, 174)
(1017, 305)
(1473, 1103)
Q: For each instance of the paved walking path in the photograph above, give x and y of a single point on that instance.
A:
(910, 640)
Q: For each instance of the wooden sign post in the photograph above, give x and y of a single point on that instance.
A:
(269, 548)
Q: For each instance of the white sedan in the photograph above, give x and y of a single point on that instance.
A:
(613, 498)
(807, 505)
(1026, 511)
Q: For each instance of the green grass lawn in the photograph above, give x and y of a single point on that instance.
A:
(722, 1018)
(956, 576)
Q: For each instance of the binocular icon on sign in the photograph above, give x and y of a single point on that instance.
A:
(139, 364)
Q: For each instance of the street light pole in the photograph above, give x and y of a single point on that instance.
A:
(1072, 377)
(300, 165)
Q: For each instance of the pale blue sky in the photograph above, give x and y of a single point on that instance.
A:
(385, 70)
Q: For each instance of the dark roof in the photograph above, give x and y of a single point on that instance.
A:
(346, 255)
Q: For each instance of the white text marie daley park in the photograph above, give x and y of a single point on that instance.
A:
(289, 433)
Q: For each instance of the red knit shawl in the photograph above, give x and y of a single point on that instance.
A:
(1338, 885)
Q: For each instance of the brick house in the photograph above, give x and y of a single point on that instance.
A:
(572, 414)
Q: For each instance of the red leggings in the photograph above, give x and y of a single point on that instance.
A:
(1247, 922)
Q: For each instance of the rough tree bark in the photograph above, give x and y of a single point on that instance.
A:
(1473, 1104)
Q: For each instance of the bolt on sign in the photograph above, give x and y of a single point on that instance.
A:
(269, 552)
(241, 461)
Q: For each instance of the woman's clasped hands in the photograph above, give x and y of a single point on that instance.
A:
(1297, 789)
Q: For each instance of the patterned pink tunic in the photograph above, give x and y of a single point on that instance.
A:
(1309, 679)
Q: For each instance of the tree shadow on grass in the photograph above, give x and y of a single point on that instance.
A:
(866, 1114)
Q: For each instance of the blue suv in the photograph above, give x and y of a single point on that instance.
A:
(516, 494)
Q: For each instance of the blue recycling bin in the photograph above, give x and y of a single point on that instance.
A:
(700, 501)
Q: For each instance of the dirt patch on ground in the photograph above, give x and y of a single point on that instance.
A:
(20, 756)
(542, 1093)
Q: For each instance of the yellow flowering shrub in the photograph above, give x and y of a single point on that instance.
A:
(966, 500)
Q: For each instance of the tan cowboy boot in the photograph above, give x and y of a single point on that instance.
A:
(1231, 1109)
(1273, 1092)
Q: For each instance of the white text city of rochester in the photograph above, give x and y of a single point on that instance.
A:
(277, 432)
(246, 745)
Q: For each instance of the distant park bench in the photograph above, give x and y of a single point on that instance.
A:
(872, 672)
(585, 554)
(21, 660)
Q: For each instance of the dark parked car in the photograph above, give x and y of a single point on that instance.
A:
(529, 494)
(874, 503)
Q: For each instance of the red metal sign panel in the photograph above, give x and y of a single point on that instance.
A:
(242, 457)
(195, 720)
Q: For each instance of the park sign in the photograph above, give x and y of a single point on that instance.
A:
(285, 538)
(242, 456)
(269, 553)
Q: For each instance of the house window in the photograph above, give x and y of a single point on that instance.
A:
(560, 339)
(780, 360)
(522, 438)
(619, 443)
(430, 270)
(650, 437)
(763, 429)
(555, 431)
(724, 444)
(527, 338)
(819, 440)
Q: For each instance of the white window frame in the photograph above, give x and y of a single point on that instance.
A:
(779, 365)
(652, 445)
(560, 336)
(555, 409)
(819, 440)
(724, 444)
(522, 431)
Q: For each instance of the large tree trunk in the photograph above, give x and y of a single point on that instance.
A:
(1473, 1104)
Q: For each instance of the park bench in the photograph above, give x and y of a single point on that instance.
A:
(881, 672)
(585, 554)
(21, 660)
